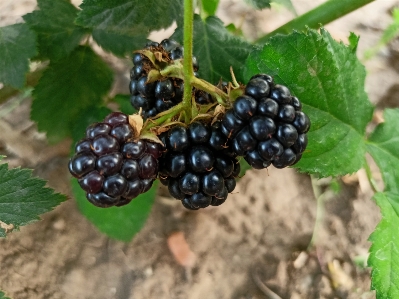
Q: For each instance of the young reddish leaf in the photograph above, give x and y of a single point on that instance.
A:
(68, 87)
(17, 46)
(56, 31)
(329, 80)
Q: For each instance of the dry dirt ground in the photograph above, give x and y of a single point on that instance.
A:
(256, 245)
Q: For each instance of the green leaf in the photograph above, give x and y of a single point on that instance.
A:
(244, 168)
(259, 4)
(17, 45)
(54, 24)
(124, 103)
(119, 44)
(329, 80)
(3, 295)
(288, 4)
(23, 198)
(383, 146)
(353, 41)
(217, 49)
(66, 88)
(129, 16)
(209, 6)
(120, 223)
(387, 36)
(384, 252)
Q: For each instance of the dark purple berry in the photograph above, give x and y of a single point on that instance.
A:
(301, 122)
(83, 146)
(169, 44)
(257, 88)
(281, 94)
(230, 184)
(267, 78)
(270, 149)
(109, 164)
(255, 160)
(144, 88)
(92, 182)
(115, 185)
(189, 183)
(102, 200)
(245, 140)
(146, 185)
(133, 189)
(177, 139)
(134, 150)
(175, 190)
(81, 164)
(225, 165)
(262, 127)
(231, 124)
(122, 132)
(286, 134)
(200, 200)
(198, 133)
(137, 58)
(268, 107)
(175, 165)
(186, 201)
(97, 129)
(218, 141)
(212, 183)
(245, 107)
(286, 113)
(300, 144)
(287, 158)
(130, 169)
(164, 90)
(201, 159)
(296, 104)
(148, 167)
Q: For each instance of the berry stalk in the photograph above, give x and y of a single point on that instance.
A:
(321, 15)
(188, 72)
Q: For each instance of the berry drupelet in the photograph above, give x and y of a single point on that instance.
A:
(111, 166)
(266, 125)
(196, 167)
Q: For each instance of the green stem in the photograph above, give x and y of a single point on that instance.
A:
(164, 116)
(319, 212)
(372, 182)
(188, 71)
(321, 15)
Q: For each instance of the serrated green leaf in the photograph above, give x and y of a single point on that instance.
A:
(217, 49)
(3, 295)
(17, 46)
(383, 146)
(54, 24)
(124, 103)
(259, 4)
(353, 41)
(68, 87)
(384, 252)
(288, 4)
(119, 44)
(23, 197)
(120, 223)
(209, 6)
(329, 80)
(129, 16)
(87, 117)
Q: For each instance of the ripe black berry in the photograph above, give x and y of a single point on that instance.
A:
(266, 125)
(203, 173)
(161, 95)
(111, 166)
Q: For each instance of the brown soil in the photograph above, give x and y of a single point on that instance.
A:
(256, 245)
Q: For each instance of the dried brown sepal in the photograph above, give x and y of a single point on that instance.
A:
(206, 117)
(218, 112)
(150, 56)
(206, 108)
(151, 137)
(136, 122)
(153, 75)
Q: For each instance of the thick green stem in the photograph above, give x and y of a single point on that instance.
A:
(323, 14)
(188, 71)
(319, 212)
(164, 116)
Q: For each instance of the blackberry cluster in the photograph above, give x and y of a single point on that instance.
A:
(111, 167)
(266, 125)
(197, 167)
(160, 95)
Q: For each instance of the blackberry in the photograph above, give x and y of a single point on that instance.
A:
(197, 166)
(111, 166)
(165, 93)
(266, 125)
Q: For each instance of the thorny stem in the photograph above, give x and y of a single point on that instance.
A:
(321, 15)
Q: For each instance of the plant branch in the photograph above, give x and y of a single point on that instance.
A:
(321, 15)
(188, 71)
